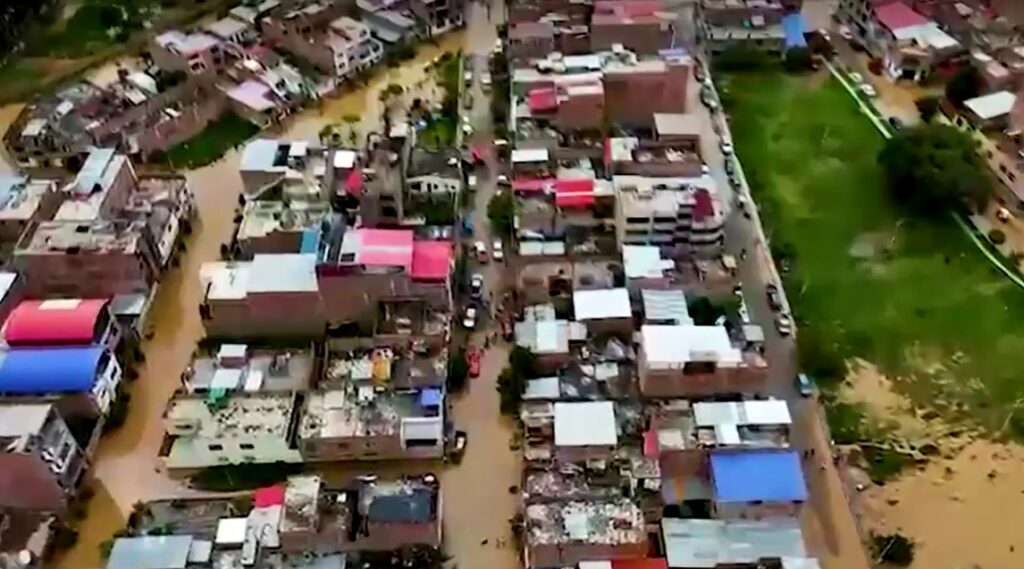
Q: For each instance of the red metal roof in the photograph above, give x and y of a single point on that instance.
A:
(268, 496)
(897, 15)
(574, 193)
(384, 247)
(541, 100)
(431, 260)
(54, 322)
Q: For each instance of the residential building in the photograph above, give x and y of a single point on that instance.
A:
(382, 515)
(390, 21)
(755, 24)
(778, 490)
(672, 157)
(380, 404)
(682, 216)
(547, 337)
(12, 291)
(257, 102)
(633, 88)
(911, 45)
(322, 35)
(716, 544)
(564, 534)
(274, 227)
(273, 295)
(439, 16)
(683, 434)
(234, 367)
(531, 40)
(41, 463)
(51, 131)
(434, 172)
(996, 122)
(603, 310)
(684, 360)
(24, 202)
(82, 380)
(219, 429)
(88, 259)
(585, 430)
(232, 30)
(194, 52)
(644, 27)
(297, 167)
(152, 551)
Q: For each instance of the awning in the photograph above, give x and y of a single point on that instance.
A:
(574, 193)
(530, 185)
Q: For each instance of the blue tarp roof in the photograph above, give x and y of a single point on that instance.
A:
(33, 371)
(750, 476)
(430, 397)
(793, 28)
(310, 240)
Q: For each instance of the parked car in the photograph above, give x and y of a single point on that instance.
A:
(784, 324)
(459, 449)
(726, 147)
(473, 360)
(1003, 214)
(705, 169)
(730, 167)
(774, 297)
(856, 77)
(804, 385)
(497, 251)
(471, 181)
(476, 287)
(868, 90)
(895, 123)
(481, 252)
(469, 320)
(845, 33)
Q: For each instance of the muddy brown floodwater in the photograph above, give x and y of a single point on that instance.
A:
(477, 501)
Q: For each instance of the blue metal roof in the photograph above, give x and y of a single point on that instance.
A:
(34, 371)
(430, 397)
(793, 29)
(763, 475)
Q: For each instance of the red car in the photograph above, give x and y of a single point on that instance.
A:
(473, 357)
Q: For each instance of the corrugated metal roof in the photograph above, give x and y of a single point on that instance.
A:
(694, 543)
(35, 371)
(779, 478)
(54, 322)
(150, 552)
(666, 306)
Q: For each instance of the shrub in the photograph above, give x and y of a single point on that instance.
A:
(893, 548)
(458, 371)
(997, 236)
(797, 59)
(927, 107)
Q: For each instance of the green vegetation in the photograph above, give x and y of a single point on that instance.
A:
(522, 366)
(797, 59)
(458, 371)
(934, 168)
(501, 210)
(895, 549)
(94, 25)
(243, 477)
(705, 312)
(966, 84)
(207, 147)
(927, 107)
(912, 296)
(439, 132)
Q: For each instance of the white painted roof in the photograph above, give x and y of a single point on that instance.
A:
(769, 412)
(542, 388)
(289, 272)
(674, 346)
(585, 423)
(231, 531)
(992, 105)
(525, 155)
(20, 420)
(344, 158)
(601, 303)
(644, 262)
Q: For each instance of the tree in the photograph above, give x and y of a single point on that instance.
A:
(893, 548)
(706, 313)
(966, 84)
(501, 211)
(797, 59)
(522, 366)
(927, 107)
(458, 371)
(818, 354)
(934, 167)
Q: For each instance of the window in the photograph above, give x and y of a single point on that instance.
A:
(246, 446)
(215, 447)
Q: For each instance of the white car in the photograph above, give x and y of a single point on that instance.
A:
(498, 46)
(845, 33)
(469, 320)
(868, 90)
(481, 251)
(497, 251)
(705, 169)
(856, 77)
(471, 181)
(476, 286)
(726, 147)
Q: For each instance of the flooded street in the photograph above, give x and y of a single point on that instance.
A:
(477, 501)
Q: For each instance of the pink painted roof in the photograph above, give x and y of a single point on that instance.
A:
(384, 247)
(574, 193)
(542, 100)
(897, 15)
(703, 205)
(269, 496)
(54, 322)
(354, 182)
(431, 260)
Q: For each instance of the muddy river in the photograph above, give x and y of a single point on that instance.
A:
(477, 500)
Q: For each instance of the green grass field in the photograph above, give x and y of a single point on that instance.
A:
(208, 146)
(915, 298)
